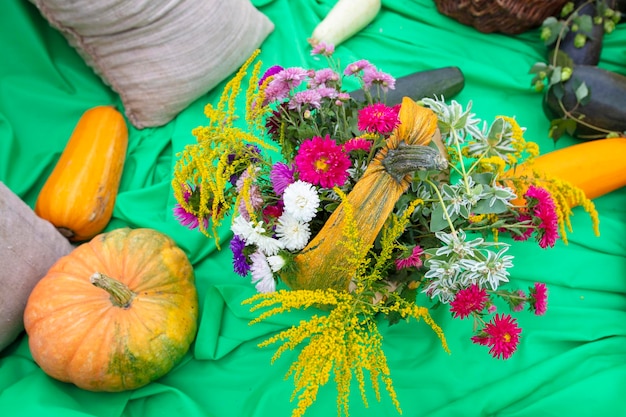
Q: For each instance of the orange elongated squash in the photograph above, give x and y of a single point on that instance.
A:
(79, 195)
(322, 263)
(596, 167)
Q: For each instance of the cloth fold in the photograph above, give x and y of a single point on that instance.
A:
(569, 362)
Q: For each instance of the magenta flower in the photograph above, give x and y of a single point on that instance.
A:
(502, 334)
(321, 161)
(544, 209)
(413, 260)
(378, 118)
(273, 70)
(469, 300)
(185, 217)
(281, 176)
(357, 144)
(539, 298)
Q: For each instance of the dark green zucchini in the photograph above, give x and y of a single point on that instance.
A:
(605, 109)
(446, 82)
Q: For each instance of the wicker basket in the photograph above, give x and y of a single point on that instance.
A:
(505, 16)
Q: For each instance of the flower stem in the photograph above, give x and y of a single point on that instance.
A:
(121, 295)
(445, 210)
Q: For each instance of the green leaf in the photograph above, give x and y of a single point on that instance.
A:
(558, 127)
(483, 178)
(585, 24)
(482, 207)
(538, 67)
(582, 92)
(437, 220)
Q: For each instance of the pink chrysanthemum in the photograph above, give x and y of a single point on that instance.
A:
(323, 48)
(357, 144)
(545, 210)
(539, 298)
(281, 176)
(310, 98)
(413, 260)
(283, 82)
(372, 76)
(323, 77)
(327, 92)
(357, 66)
(321, 161)
(469, 300)
(378, 118)
(502, 334)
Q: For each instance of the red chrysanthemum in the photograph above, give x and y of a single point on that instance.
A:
(545, 210)
(539, 294)
(468, 300)
(378, 118)
(321, 161)
(357, 144)
(413, 260)
(502, 334)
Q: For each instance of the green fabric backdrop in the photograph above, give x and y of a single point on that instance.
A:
(572, 362)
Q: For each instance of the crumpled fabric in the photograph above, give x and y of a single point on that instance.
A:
(572, 361)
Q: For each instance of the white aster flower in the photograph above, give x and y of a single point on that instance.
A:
(242, 227)
(268, 245)
(276, 262)
(301, 201)
(262, 275)
(292, 233)
(255, 234)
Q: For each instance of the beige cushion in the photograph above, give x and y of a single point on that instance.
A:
(159, 56)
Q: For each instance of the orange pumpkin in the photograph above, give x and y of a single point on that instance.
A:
(372, 200)
(79, 195)
(116, 313)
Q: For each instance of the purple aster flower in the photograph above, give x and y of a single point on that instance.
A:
(270, 72)
(282, 175)
(240, 263)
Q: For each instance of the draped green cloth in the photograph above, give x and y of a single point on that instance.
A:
(571, 362)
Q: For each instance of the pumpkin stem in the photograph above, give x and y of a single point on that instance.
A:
(68, 233)
(121, 295)
(406, 159)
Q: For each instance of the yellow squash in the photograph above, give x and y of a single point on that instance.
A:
(79, 195)
(597, 167)
(321, 264)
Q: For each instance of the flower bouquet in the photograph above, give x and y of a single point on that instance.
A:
(355, 208)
